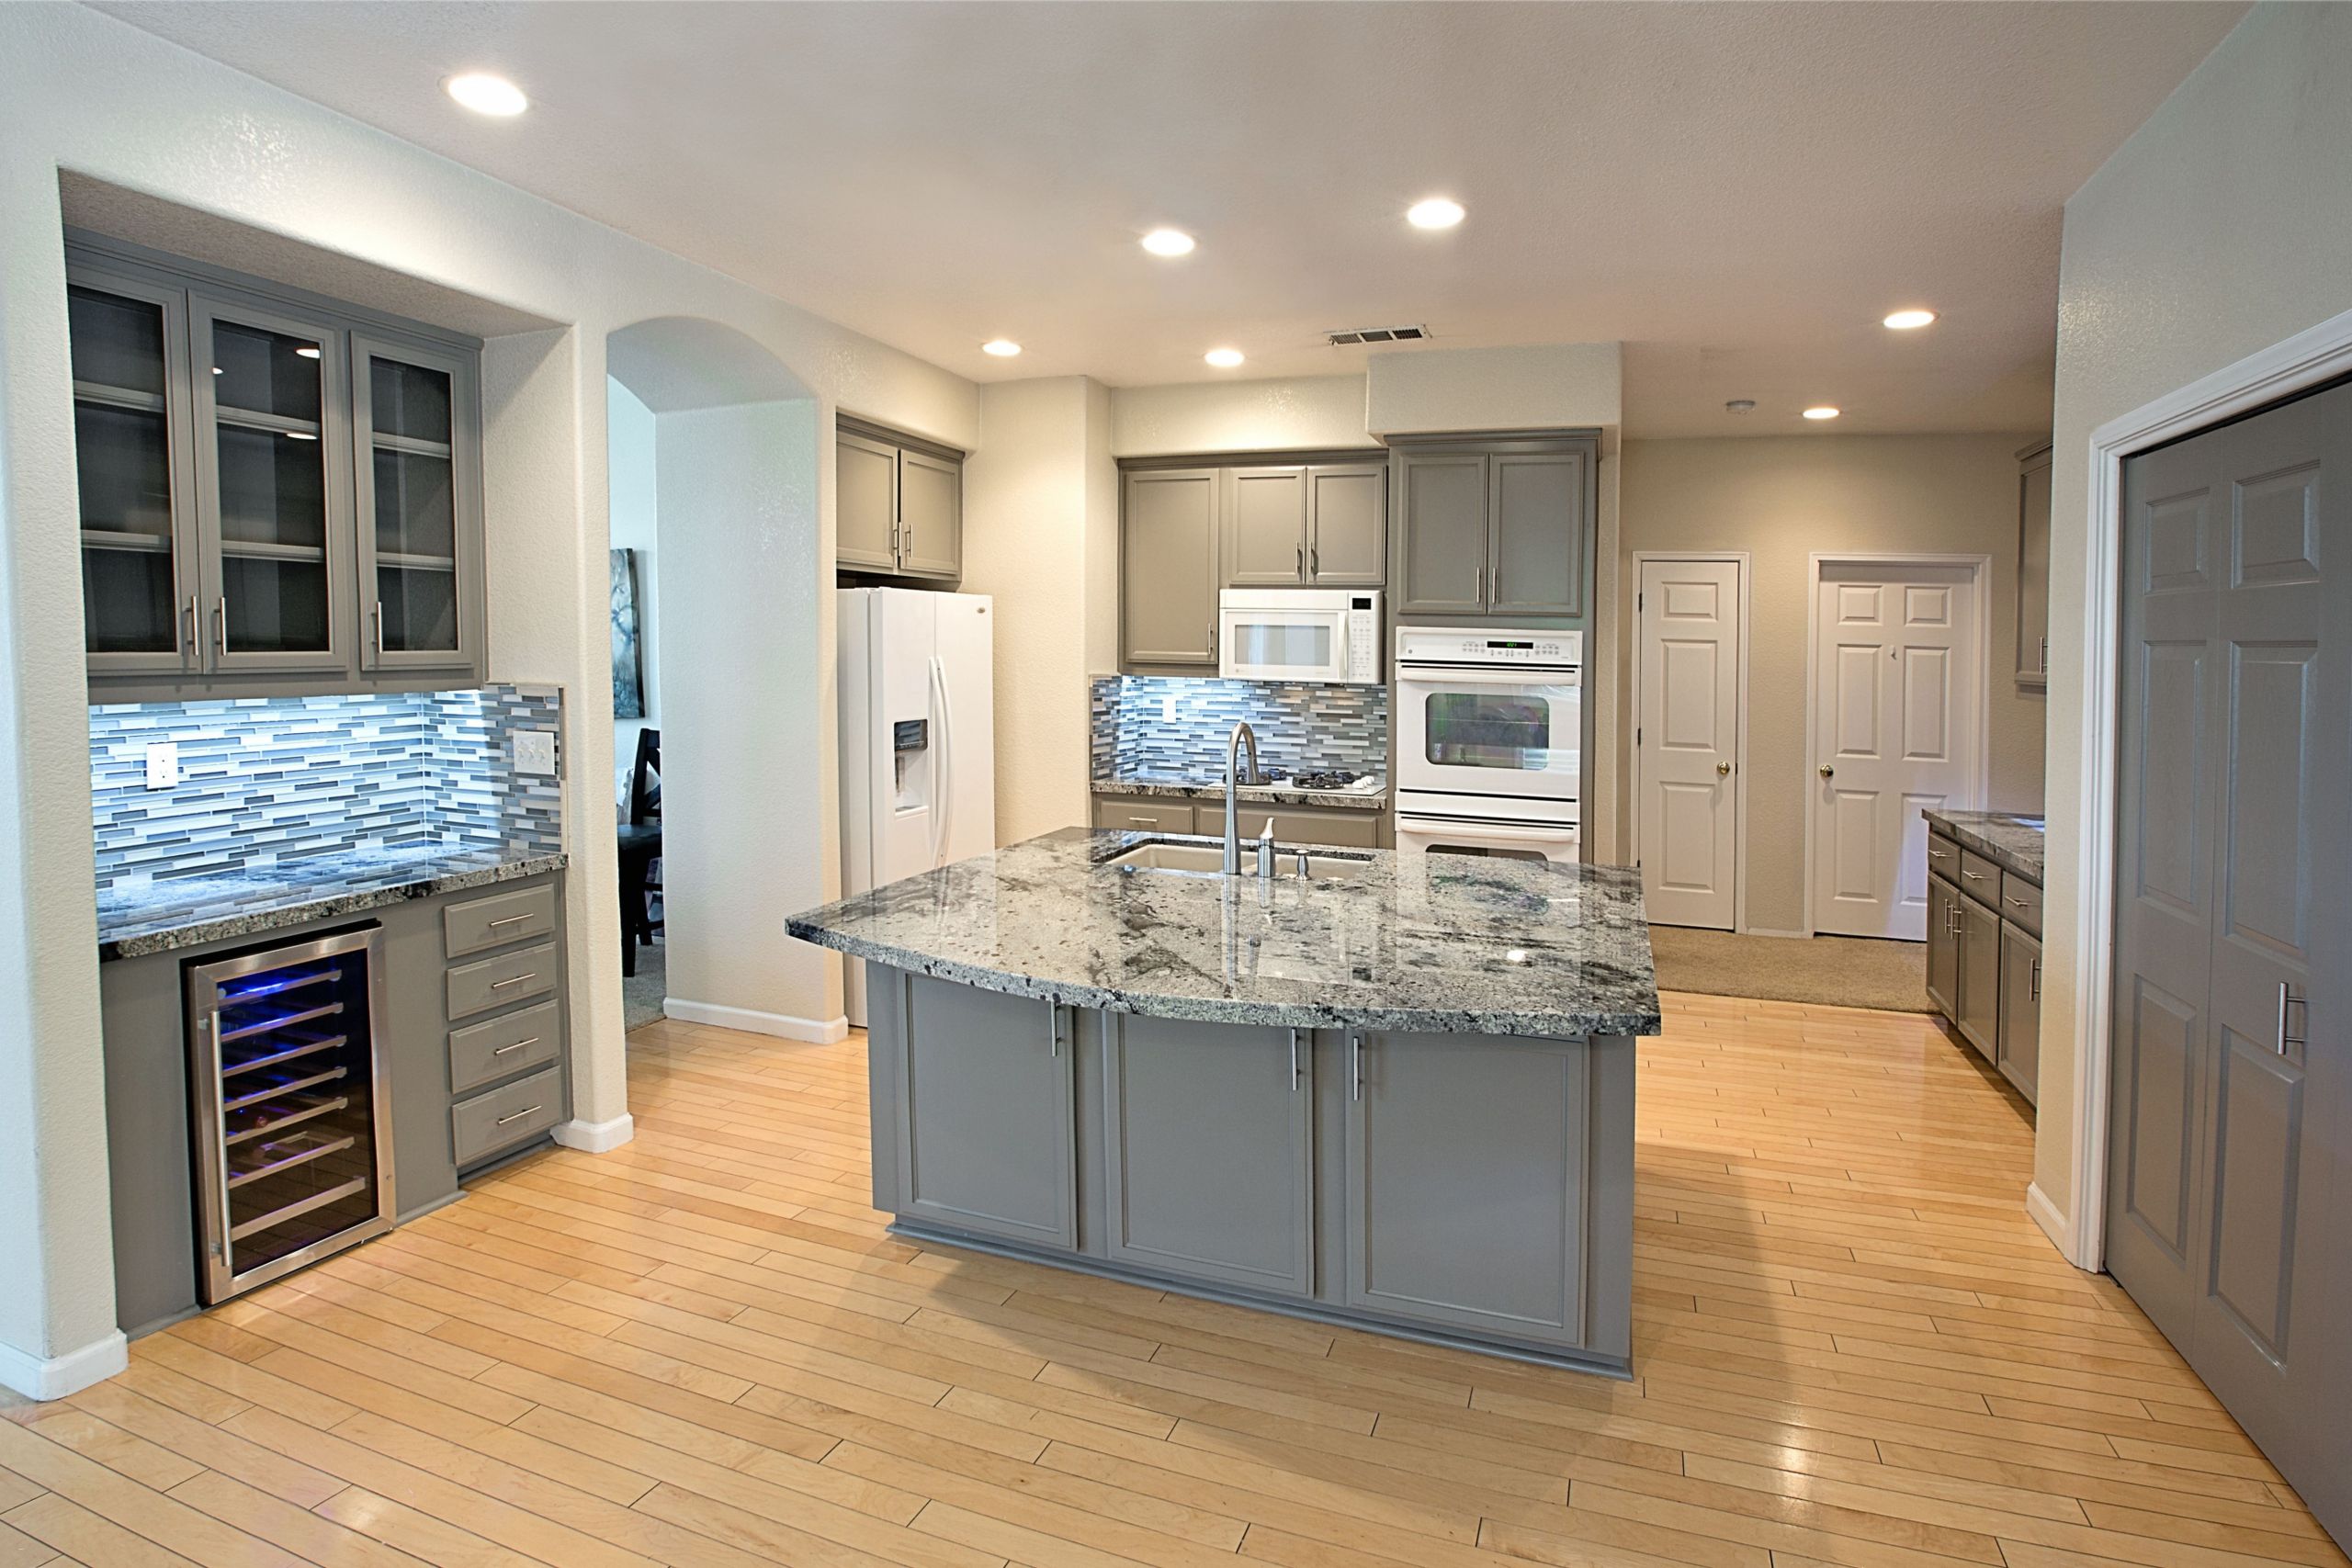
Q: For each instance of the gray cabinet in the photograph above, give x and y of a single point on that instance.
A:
(1143, 814)
(1943, 944)
(983, 1128)
(1265, 526)
(898, 504)
(1978, 1014)
(1209, 1151)
(2020, 1024)
(1347, 525)
(1312, 524)
(2033, 566)
(420, 513)
(1500, 528)
(1336, 827)
(1167, 566)
(1465, 1182)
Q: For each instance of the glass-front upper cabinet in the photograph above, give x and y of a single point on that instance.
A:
(272, 491)
(420, 526)
(139, 566)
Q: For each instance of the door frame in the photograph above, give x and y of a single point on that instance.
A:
(2309, 358)
(1980, 772)
(1746, 563)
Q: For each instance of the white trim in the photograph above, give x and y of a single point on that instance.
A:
(1980, 568)
(2320, 354)
(597, 1137)
(1747, 565)
(54, 1377)
(816, 1032)
(2051, 1218)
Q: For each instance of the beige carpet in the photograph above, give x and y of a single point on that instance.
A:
(1834, 971)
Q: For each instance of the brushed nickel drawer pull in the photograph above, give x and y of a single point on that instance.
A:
(516, 980)
(508, 921)
(518, 1115)
(2017, 903)
(1972, 876)
(534, 1040)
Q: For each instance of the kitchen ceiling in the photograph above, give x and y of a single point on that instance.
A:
(1738, 191)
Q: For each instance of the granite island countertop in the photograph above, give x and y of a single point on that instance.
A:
(1438, 944)
(158, 917)
(1203, 787)
(2013, 843)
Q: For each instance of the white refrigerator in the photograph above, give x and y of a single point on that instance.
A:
(918, 742)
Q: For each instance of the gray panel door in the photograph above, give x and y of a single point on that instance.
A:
(1209, 1149)
(1442, 500)
(1979, 1013)
(2021, 1010)
(2234, 918)
(985, 1114)
(1168, 566)
(865, 503)
(1347, 525)
(931, 516)
(1265, 526)
(1944, 946)
(1539, 521)
(1467, 1182)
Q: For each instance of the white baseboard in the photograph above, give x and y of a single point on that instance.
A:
(2054, 1224)
(784, 1026)
(1767, 931)
(58, 1376)
(597, 1137)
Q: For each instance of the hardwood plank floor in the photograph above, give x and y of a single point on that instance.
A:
(1852, 1348)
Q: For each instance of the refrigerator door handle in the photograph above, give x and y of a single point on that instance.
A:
(942, 774)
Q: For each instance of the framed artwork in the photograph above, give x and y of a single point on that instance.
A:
(629, 660)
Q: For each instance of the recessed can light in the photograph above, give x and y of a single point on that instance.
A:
(1908, 320)
(1169, 242)
(1002, 347)
(1437, 212)
(1821, 411)
(486, 94)
(1223, 358)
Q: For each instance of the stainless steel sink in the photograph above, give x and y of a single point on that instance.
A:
(1208, 860)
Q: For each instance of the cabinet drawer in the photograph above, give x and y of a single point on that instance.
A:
(1354, 829)
(1980, 878)
(487, 1123)
(493, 982)
(1144, 816)
(479, 924)
(1943, 858)
(484, 1053)
(2021, 902)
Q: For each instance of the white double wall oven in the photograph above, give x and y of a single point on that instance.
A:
(1489, 741)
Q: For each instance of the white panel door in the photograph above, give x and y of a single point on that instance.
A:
(1895, 717)
(1689, 740)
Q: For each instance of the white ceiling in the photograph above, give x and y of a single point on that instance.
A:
(1738, 191)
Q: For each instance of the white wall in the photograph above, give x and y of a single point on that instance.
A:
(1537, 387)
(82, 92)
(1781, 498)
(1041, 537)
(1297, 416)
(2222, 227)
(636, 523)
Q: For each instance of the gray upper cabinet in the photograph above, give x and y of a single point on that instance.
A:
(1169, 567)
(1500, 527)
(276, 496)
(865, 502)
(1312, 525)
(1265, 526)
(1347, 525)
(931, 516)
(2033, 566)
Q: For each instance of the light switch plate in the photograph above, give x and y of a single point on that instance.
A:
(535, 751)
(162, 765)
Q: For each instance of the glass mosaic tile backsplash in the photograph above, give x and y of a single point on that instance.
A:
(1158, 724)
(269, 779)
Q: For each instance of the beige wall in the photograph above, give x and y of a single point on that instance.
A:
(1041, 537)
(2221, 227)
(1299, 414)
(1781, 499)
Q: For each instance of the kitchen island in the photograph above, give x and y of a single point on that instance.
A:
(1396, 1092)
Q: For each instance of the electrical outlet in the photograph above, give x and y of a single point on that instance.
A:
(535, 751)
(1167, 706)
(162, 765)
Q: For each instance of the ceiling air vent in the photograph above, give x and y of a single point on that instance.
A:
(1378, 334)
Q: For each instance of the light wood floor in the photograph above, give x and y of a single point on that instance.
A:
(1853, 1348)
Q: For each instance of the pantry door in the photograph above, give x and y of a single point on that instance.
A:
(1687, 732)
(1896, 728)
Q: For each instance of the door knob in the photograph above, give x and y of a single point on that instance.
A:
(1723, 770)
(1828, 771)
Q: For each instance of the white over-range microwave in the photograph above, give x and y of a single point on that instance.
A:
(1299, 634)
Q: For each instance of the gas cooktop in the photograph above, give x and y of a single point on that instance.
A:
(1322, 778)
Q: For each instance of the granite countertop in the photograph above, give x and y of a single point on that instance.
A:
(1203, 787)
(1441, 944)
(159, 916)
(2013, 843)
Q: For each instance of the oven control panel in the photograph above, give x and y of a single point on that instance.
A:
(1481, 645)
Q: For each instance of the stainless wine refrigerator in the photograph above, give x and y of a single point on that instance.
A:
(293, 1139)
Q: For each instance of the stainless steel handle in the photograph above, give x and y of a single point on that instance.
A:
(518, 1115)
(1940, 854)
(1314, 560)
(221, 623)
(2036, 980)
(2016, 903)
(189, 632)
(2288, 999)
(1723, 770)
(1479, 588)
(1144, 821)
(2045, 656)
(1053, 1030)
(508, 921)
(906, 542)
(1295, 1074)
(513, 980)
(1828, 771)
(209, 1026)
(1968, 875)
(502, 1050)
(1302, 560)
(379, 631)
(1355, 1065)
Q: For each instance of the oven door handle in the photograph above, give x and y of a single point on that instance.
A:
(1454, 826)
(1426, 675)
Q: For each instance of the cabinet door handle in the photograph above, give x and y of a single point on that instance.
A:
(1314, 561)
(908, 541)
(2035, 995)
(1302, 560)
(221, 625)
(1053, 1030)
(2045, 656)
(1295, 1073)
(1479, 588)
(1355, 1065)
(379, 631)
(502, 1050)
(189, 639)
(519, 1114)
(513, 980)
(2287, 998)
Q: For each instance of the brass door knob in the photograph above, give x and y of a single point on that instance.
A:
(1828, 771)
(1723, 770)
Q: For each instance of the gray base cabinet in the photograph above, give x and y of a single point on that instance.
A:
(1468, 1189)
(1335, 827)
(1984, 959)
(1943, 945)
(1978, 1016)
(2021, 1060)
